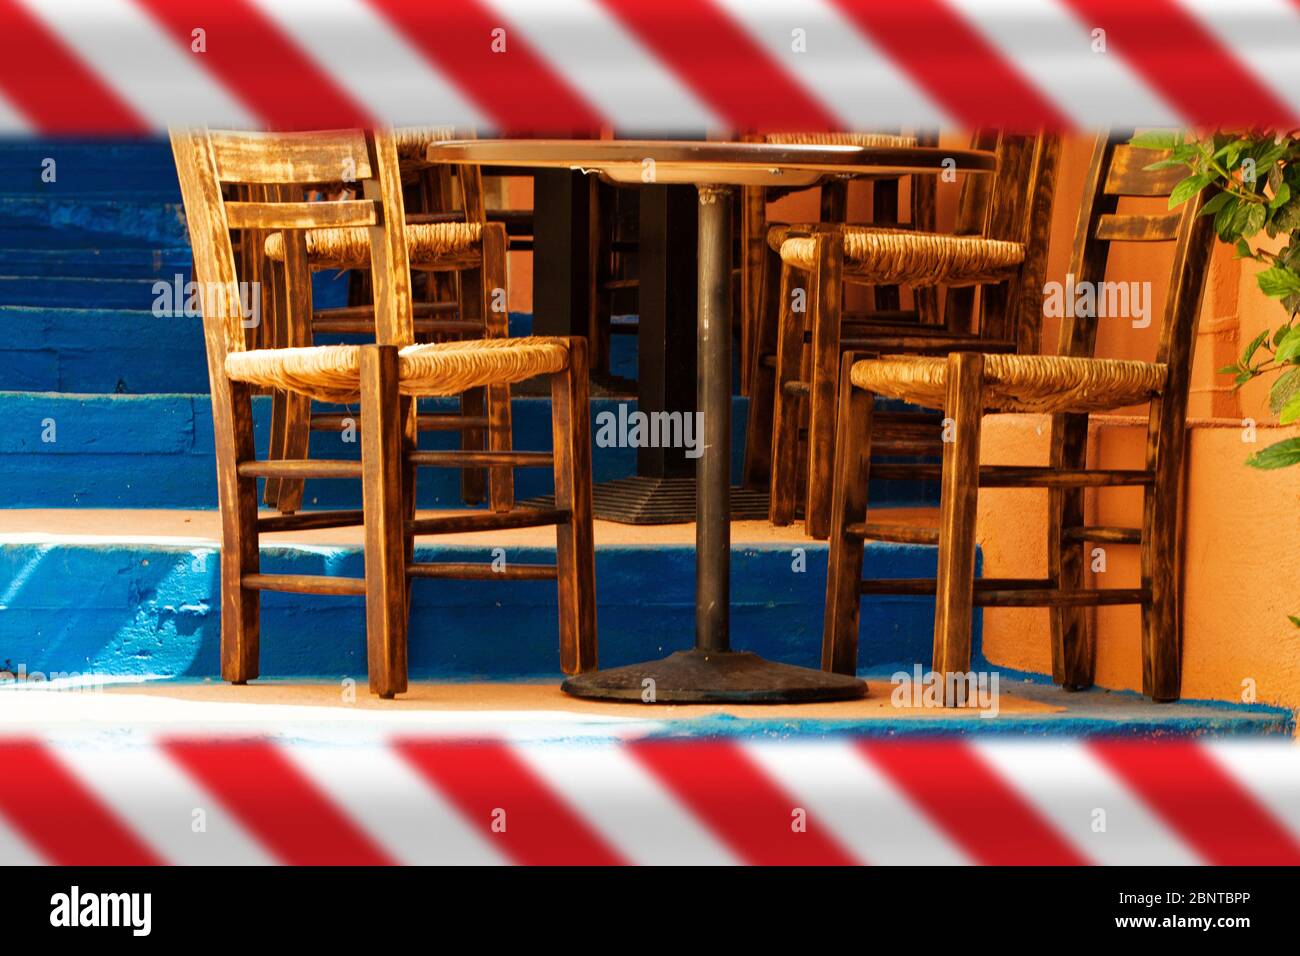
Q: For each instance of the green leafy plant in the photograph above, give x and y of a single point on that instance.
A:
(1255, 176)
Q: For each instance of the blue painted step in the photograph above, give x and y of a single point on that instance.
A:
(81, 292)
(98, 350)
(129, 609)
(122, 168)
(45, 222)
(98, 262)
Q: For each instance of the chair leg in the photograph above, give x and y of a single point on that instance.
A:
(384, 503)
(762, 377)
(501, 481)
(574, 542)
(956, 575)
(753, 248)
(296, 440)
(1073, 651)
(786, 404)
(274, 319)
(1161, 620)
(275, 447)
(240, 618)
(826, 290)
(473, 404)
(473, 481)
(884, 212)
(295, 320)
(849, 494)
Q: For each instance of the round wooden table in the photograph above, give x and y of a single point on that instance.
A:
(712, 671)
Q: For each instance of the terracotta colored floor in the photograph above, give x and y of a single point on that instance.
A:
(538, 697)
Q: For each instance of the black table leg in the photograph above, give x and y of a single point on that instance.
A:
(561, 264)
(711, 671)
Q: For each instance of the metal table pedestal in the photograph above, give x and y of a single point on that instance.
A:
(712, 672)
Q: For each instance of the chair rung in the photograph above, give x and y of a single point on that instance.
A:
(489, 521)
(907, 318)
(300, 468)
(1107, 535)
(305, 520)
(420, 310)
(366, 326)
(1055, 597)
(930, 447)
(1007, 476)
(483, 572)
(460, 459)
(923, 344)
(902, 533)
(441, 422)
(928, 586)
(795, 388)
(304, 583)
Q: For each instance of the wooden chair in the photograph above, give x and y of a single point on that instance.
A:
(463, 260)
(386, 378)
(758, 324)
(999, 245)
(1070, 386)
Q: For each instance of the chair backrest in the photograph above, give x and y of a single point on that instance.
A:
(434, 188)
(1012, 204)
(207, 160)
(1117, 171)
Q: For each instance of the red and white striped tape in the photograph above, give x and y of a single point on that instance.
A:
(422, 800)
(577, 65)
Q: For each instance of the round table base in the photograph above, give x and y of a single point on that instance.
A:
(714, 677)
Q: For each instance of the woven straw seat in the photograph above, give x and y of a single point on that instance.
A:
(428, 244)
(1020, 383)
(865, 140)
(779, 232)
(412, 141)
(918, 259)
(331, 373)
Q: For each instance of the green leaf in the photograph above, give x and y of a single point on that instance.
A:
(1188, 188)
(1253, 347)
(1223, 222)
(1154, 139)
(1287, 218)
(1280, 197)
(1254, 220)
(1243, 250)
(1289, 348)
(1294, 620)
(1277, 282)
(1281, 454)
(1290, 411)
(1285, 387)
(1217, 202)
